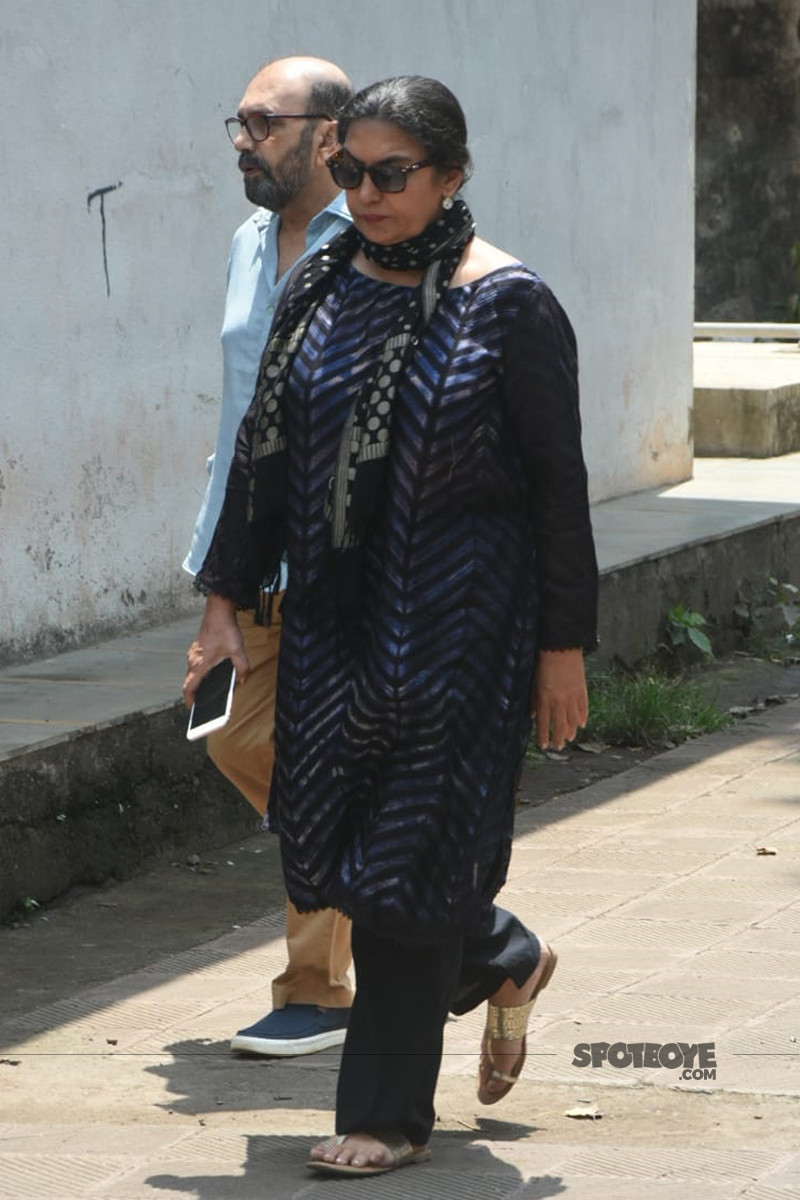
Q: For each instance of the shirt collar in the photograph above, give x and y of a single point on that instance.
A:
(263, 217)
(336, 208)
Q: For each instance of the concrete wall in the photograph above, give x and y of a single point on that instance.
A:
(581, 118)
(748, 128)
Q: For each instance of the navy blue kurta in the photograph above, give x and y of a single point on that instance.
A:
(399, 744)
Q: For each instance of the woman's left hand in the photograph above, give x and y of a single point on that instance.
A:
(559, 702)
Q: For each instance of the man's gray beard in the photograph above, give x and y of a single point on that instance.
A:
(265, 191)
(276, 190)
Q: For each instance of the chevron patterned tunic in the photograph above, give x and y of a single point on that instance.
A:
(399, 742)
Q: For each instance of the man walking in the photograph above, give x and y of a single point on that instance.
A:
(284, 131)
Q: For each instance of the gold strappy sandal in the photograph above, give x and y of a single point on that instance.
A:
(508, 1024)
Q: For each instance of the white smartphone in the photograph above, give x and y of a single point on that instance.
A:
(212, 701)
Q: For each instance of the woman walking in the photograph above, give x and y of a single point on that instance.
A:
(414, 447)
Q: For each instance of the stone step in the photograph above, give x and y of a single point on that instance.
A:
(746, 399)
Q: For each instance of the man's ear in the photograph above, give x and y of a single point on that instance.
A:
(328, 139)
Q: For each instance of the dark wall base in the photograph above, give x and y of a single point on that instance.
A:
(635, 599)
(108, 802)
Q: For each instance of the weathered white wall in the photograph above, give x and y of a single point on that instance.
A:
(581, 120)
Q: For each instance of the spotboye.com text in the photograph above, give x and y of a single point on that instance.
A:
(695, 1061)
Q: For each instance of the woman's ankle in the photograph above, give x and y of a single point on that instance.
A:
(508, 995)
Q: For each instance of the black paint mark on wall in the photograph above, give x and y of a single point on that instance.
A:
(102, 192)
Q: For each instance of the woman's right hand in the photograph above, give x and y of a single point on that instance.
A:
(219, 637)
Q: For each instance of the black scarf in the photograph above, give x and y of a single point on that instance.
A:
(356, 486)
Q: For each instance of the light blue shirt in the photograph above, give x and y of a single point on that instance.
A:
(251, 298)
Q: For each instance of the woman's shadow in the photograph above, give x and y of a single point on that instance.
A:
(203, 1077)
(274, 1169)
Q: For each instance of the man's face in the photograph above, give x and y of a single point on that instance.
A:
(278, 169)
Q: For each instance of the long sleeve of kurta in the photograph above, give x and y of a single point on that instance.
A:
(541, 389)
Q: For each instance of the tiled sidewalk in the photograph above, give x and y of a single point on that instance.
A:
(671, 928)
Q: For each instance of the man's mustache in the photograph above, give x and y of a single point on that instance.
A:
(250, 162)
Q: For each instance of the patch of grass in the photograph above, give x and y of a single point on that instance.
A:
(648, 709)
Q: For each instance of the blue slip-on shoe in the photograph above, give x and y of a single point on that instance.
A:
(295, 1029)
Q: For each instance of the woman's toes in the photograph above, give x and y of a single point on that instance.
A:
(327, 1151)
(358, 1150)
(375, 1154)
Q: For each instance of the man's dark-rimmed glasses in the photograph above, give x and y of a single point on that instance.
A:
(348, 172)
(257, 124)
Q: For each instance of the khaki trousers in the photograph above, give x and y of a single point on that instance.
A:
(319, 942)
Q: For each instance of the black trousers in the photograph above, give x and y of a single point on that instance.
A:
(393, 1048)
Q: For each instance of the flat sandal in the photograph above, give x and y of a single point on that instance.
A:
(403, 1154)
(509, 1023)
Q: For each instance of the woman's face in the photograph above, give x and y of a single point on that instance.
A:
(389, 217)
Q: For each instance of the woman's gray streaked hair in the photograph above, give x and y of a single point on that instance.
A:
(423, 108)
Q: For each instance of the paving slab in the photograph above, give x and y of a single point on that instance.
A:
(50, 699)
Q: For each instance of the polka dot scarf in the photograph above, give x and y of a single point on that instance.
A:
(355, 487)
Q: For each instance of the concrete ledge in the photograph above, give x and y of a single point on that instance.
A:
(109, 799)
(704, 576)
(746, 399)
(97, 779)
(734, 422)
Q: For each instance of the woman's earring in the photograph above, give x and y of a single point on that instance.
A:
(447, 203)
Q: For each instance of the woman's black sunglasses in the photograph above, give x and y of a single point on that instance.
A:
(348, 172)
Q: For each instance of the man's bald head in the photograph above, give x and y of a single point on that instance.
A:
(315, 84)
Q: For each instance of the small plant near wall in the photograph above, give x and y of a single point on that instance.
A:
(685, 633)
(768, 614)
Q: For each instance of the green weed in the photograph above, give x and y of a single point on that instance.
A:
(649, 709)
(685, 631)
(767, 613)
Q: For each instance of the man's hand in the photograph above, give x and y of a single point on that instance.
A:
(559, 702)
(219, 637)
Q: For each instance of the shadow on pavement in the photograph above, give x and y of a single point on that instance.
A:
(204, 1077)
(275, 1169)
